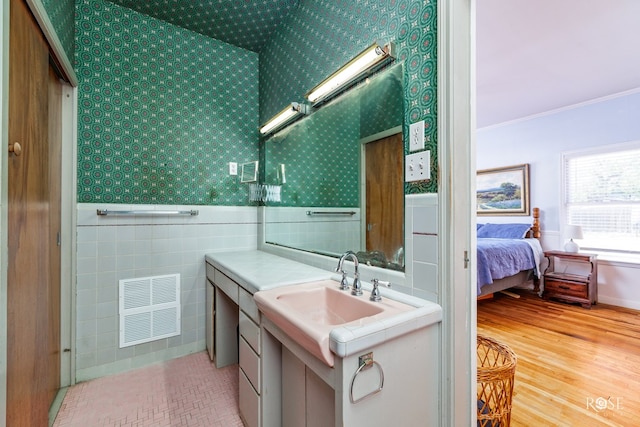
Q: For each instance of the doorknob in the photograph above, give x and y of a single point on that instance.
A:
(15, 148)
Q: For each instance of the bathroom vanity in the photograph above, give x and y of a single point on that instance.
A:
(352, 361)
(233, 321)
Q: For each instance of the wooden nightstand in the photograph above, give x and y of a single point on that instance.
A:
(581, 288)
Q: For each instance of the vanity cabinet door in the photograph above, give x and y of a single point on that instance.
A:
(249, 402)
(210, 319)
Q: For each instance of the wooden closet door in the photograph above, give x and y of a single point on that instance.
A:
(33, 320)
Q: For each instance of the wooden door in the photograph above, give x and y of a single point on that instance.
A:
(385, 195)
(33, 281)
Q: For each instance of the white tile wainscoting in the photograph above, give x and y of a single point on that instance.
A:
(110, 248)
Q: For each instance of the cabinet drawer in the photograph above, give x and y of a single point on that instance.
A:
(248, 305)
(250, 363)
(565, 288)
(227, 285)
(249, 402)
(210, 272)
(250, 332)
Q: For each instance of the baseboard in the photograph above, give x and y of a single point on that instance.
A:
(56, 405)
(635, 305)
(138, 361)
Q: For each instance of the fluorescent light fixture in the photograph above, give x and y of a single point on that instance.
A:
(283, 117)
(367, 61)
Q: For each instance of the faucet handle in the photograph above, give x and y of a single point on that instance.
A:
(356, 289)
(375, 292)
(344, 284)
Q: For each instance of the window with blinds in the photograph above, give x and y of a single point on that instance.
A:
(602, 194)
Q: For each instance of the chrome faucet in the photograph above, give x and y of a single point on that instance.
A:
(375, 292)
(356, 288)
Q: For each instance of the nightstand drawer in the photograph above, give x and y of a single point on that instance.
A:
(553, 286)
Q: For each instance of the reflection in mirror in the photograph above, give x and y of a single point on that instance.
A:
(343, 188)
(249, 172)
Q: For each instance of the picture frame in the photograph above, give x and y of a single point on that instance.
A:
(503, 191)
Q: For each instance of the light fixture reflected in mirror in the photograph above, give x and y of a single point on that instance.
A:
(284, 117)
(366, 62)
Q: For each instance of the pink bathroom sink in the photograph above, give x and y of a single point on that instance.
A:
(327, 305)
(308, 312)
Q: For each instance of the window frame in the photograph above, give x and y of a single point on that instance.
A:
(565, 156)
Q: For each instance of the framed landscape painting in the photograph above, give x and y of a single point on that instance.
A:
(503, 191)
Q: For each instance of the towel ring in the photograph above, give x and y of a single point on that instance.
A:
(366, 363)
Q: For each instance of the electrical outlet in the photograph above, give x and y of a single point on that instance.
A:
(233, 168)
(418, 166)
(416, 136)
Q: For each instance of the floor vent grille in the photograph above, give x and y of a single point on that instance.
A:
(149, 309)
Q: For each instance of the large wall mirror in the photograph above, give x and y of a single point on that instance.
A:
(341, 175)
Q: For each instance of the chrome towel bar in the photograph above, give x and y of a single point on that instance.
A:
(105, 212)
(331, 213)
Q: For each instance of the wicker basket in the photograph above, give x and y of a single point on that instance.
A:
(496, 371)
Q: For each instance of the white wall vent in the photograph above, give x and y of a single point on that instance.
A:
(149, 309)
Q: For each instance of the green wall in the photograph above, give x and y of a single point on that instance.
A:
(321, 154)
(161, 112)
(61, 15)
(322, 35)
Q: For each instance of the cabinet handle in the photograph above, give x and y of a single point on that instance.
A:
(564, 287)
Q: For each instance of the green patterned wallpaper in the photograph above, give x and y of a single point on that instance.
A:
(247, 24)
(161, 112)
(321, 154)
(61, 14)
(321, 35)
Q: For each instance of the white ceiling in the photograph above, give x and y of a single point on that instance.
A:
(535, 56)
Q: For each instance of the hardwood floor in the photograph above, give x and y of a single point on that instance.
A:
(576, 366)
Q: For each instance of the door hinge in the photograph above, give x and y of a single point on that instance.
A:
(466, 259)
(58, 239)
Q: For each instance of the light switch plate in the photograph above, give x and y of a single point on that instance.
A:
(416, 136)
(233, 168)
(417, 166)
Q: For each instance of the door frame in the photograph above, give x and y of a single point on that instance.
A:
(456, 193)
(68, 201)
(68, 236)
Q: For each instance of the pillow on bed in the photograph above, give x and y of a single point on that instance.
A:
(504, 231)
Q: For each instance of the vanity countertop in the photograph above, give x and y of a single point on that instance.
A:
(259, 271)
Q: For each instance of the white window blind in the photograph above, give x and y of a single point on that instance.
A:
(602, 194)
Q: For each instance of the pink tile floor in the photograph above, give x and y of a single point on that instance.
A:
(189, 391)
